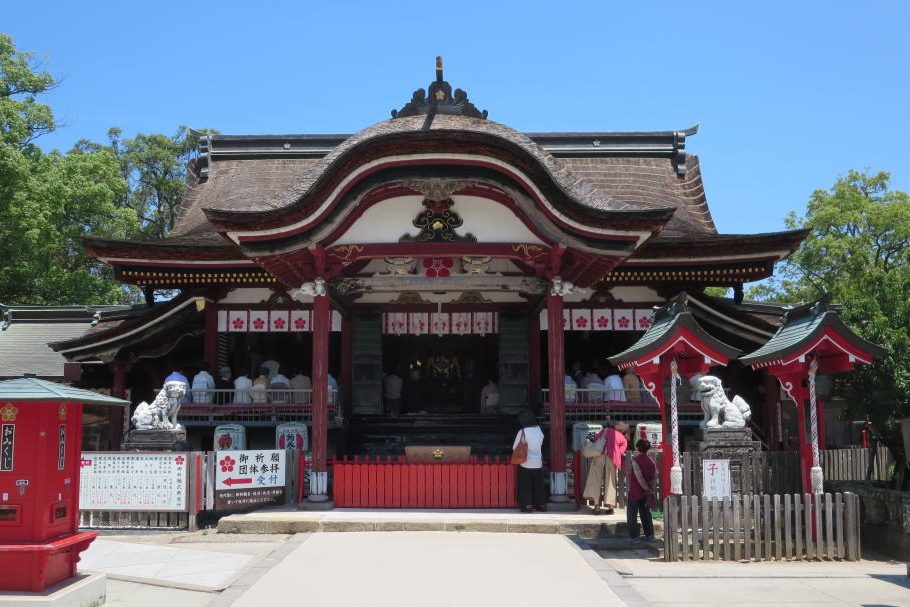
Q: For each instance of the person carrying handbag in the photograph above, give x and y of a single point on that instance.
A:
(600, 486)
(642, 491)
(531, 492)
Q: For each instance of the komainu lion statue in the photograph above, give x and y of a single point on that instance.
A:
(161, 414)
(716, 405)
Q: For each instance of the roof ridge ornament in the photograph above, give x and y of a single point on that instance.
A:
(440, 100)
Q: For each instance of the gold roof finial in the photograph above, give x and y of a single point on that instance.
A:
(439, 68)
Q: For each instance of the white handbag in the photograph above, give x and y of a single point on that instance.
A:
(594, 448)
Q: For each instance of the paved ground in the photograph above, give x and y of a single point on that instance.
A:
(458, 568)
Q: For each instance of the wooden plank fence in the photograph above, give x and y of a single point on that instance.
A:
(762, 527)
(853, 464)
(756, 473)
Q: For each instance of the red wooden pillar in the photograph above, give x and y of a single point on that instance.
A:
(534, 360)
(656, 379)
(118, 390)
(321, 324)
(557, 374)
(347, 364)
(210, 354)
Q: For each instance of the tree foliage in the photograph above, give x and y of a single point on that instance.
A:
(858, 250)
(127, 188)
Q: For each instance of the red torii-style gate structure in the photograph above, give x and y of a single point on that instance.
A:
(674, 346)
(812, 339)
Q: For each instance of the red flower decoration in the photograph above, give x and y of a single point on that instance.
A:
(238, 323)
(225, 441)
(437, 267)
(227, 464)
(581, 322)
(623, 322)
(259, 324)
(178, 460)
(644, 322)
(279, 323)
(602, 322)
(299, 323)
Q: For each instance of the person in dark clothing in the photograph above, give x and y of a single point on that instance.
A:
(642, 491)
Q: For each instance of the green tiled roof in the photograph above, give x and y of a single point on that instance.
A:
(799, 327)
(667, 321)
(26, 389)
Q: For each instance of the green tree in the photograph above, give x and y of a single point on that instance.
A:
(49, 200)
(858, 250)
(154, 168)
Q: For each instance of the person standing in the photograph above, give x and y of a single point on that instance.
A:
(531, 493)
(642, 491)
(600, 486)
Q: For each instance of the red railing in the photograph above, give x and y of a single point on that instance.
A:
(487, 482)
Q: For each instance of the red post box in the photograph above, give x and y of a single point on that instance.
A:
(40, 451)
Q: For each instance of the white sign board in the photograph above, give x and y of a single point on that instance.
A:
(245, 479)
(651, 432)
(133, 481)
(716, 478)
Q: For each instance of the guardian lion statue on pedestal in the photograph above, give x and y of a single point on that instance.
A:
(161, 414)
(716, 405)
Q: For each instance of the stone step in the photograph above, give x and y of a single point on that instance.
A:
(609, 527)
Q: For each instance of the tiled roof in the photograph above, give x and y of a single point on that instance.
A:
(799, 328)
(24, 347)
(32, 389)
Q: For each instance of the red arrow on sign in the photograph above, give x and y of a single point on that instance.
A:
(238, 481)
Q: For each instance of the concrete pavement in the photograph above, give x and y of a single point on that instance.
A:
(451, 568)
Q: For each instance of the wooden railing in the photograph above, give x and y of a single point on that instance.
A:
(210, 407)
(393, 482)
(596, 405)
(762, 527)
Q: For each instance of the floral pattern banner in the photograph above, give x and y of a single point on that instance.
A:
(602, 319)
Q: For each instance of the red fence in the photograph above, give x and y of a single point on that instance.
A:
(395, 483)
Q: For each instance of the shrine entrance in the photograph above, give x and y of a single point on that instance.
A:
(441, 374)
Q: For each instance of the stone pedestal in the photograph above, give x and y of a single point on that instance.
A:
(734, 444)
(155, 440)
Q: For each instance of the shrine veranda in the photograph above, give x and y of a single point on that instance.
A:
(447, 249)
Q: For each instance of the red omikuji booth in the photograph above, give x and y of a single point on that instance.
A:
(811, 340)
(40, 451)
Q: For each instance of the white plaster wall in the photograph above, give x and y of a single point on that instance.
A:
(388, 220)
(246, 296)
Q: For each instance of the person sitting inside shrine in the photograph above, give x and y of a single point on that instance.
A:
(593, 387)
(223, 386)
(177, 375)
(301, 389)
(615, 388)
(571, 389)
(203, 384)
(631, 385)
(279, 387)
(243, 390)
(333, 389)
(391, 390)
(489, 397)
(261, 386)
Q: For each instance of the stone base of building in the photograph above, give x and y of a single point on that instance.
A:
(86, 590)
(155, 440)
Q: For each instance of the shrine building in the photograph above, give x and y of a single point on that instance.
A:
(445, 249)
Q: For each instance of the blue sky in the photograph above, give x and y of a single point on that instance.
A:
(789, 95)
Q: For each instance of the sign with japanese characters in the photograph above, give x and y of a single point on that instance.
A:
(651, 432)
(249, 479)
(7, 444)
(716, 478)
(133, 481)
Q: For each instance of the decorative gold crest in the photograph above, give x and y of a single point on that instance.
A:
(63, 413)
(8, 413)
(438, 454)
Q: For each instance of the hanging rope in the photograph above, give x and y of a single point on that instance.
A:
(676, 470)
(816, 474)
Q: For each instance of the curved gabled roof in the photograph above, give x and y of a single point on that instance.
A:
(449, 135)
